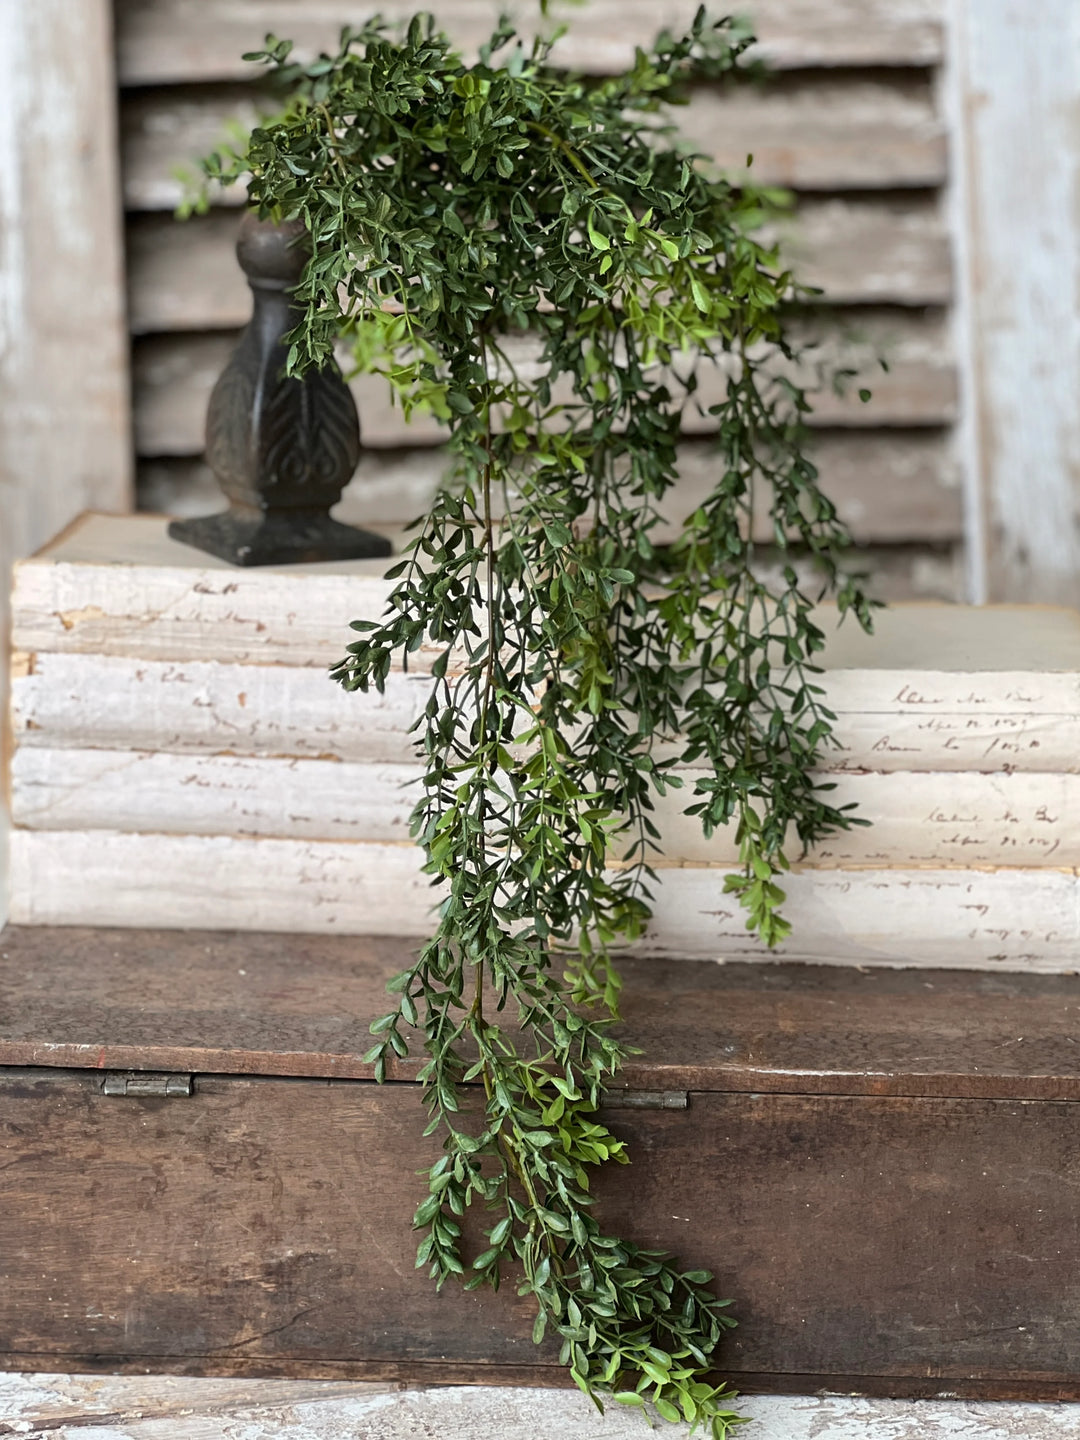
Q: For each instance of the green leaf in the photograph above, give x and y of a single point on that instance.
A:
(528, 259)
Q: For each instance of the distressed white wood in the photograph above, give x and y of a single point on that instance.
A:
(64, 415)
(163, 41)
(122, 587)
(112, 702)
(160, 1407)
(851, 132)
(203, 706)
(178, 881)
(64, 425)
(184, 276)
(974, 919)
(71, 700)
(175, 373)
(934, 819)
(1017, 70)
(1021, 919)
(889, 487)
(211, 795)
(817, 132)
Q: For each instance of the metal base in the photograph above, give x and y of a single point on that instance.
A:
(278, 539)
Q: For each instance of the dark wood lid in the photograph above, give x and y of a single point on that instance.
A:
(259, 1004)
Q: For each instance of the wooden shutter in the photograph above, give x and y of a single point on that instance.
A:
(849, 120)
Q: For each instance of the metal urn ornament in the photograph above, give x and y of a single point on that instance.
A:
(281, 448)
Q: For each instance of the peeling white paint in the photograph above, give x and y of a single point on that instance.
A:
(171, 1408)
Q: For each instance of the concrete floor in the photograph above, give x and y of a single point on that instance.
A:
(74, 1407)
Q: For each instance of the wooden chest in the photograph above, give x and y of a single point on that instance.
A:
(197, 1174)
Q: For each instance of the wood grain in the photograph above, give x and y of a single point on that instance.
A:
(809, 132)
(65, 423)
(205, 707)
(254, 1003)
(223, 1225)
(1011, 79)
(175, 373)
(136, 1406)
(120, 586)
(199, 40)
(70, 701)
(888, 1231)
(940, 820)
(184, 276)
(889, 487)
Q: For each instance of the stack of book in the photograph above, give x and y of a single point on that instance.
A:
(182, 759)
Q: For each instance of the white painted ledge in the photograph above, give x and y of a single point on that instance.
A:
(172, 1408)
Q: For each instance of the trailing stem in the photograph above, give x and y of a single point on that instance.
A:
(533, 259)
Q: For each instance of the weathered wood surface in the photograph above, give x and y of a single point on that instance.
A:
(850, 132)
(1015, 75)
(292, 711)
(939, 820)
(889, 487)
(65, 425)
(57, 1405)
(1009, 919)
(149, 1408)
(199, 1001)
(184, 275)
(119, 586)
(175, 373)
(806, 132)
(310, 1259)
(202, 707)
(215, 795)
(161, 41)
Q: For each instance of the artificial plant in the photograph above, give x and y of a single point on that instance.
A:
(534, 257)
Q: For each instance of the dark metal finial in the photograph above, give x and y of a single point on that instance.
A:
(282, 449)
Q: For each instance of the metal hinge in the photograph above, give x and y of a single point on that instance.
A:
(134, 1083)
(646, 1100)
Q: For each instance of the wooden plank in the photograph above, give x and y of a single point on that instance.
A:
(822, 1239)
(199, 1001)
(120, 586)
(323, 1410)
(64, 436)
(168, 1270)
(811, 132)
(941, 820)
(897, 574)
(855, 1183)
(899, 720)
(184, 275)
(870, 251)
(53, 1403)
(888, 487)
(211, 794)
(174, 374)
(65, 440)
(1008, 919)
(70, 700)
(189, 604)
(806, 131)
(161, 41)
(199, 707)
(1016, 76)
